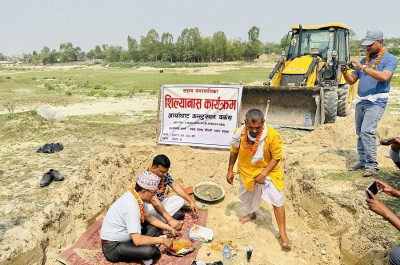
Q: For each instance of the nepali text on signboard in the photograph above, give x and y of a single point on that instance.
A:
(199, 115)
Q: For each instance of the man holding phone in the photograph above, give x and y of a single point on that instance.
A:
(375, 72)
(373, 187)
(377, 206)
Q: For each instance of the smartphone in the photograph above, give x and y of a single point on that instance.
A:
(373, 187)
(352, 65)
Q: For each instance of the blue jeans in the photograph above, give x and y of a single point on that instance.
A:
(394, 255)
(367, 118)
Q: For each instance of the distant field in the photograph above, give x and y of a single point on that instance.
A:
(65, 85)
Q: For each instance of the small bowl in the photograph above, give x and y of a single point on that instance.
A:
(208, 191)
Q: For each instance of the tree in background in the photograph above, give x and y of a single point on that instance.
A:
(236, 50)
(206, 51)
(149, 46)
(2, 57)
(133, 49)
(219, 46)
(393, 45)
(167, 47)
(272, 48)
(354, 44)
(113, 53)
(254, 45)
(189, 46)
(69, 53)
(49, 57)
(36, 58)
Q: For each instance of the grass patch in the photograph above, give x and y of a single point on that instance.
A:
(385, 174)
(33, 86)
(395, 81)
(114, 118)
(157, 64)
(384, 233)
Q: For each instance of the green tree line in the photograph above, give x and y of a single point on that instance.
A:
(190, 46)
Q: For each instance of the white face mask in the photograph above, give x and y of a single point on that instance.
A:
(251, 138)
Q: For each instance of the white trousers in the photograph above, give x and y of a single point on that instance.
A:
(267, 191)
(172, 204)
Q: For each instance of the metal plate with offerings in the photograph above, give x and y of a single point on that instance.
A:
(180, 247)
(209, 191)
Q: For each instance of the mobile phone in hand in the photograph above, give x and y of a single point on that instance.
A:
(373, 187)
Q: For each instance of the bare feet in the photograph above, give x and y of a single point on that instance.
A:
(285, 242)
(246, 218)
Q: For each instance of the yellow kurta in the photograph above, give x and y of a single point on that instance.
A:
(272, 150)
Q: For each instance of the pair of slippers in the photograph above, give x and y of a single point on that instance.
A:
(49, 176)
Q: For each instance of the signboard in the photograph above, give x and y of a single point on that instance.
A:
(199, 115)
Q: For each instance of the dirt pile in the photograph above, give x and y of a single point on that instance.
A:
(327, 219)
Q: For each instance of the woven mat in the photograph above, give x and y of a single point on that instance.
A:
(87, 250)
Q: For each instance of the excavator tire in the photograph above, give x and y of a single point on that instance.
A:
(330, 106)
(343, 108)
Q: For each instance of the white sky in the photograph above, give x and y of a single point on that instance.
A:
(28, 25)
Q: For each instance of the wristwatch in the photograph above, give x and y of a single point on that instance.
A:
(363, 68)
(169, 231)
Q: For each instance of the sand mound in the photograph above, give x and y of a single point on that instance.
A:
(327, 220)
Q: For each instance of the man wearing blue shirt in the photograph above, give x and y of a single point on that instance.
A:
(375, 72)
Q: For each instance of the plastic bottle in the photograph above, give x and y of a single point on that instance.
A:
(226, 255)
(307, 120)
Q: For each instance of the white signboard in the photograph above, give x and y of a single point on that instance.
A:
(199, 115)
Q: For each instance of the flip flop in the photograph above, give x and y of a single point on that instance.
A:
(56, 175)
(46, 180)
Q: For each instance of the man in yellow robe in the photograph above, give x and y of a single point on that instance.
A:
(258, 149)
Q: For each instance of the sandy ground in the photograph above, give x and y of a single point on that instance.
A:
(327, 220)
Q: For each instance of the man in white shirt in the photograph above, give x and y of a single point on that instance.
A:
(129, 233)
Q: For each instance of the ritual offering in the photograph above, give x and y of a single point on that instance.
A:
(180, 247)
(209, 191)
(201, 233)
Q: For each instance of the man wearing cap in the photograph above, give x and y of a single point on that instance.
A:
(375, 72)
(129, 233)
(166, 208)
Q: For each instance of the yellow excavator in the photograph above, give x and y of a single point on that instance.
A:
(306, 87)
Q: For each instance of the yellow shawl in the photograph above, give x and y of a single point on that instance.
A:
(272, 150)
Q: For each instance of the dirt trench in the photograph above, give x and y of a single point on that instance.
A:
(327, 219)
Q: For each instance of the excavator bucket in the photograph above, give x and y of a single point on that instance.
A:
(292, 107)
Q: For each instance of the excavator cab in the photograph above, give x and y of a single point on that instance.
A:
(306, 88)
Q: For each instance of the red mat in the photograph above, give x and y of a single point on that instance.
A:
(87, 250)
